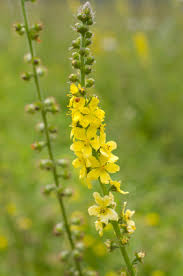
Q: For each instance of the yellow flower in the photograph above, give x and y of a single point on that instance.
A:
(103, 211)
(3, 242)
(116, 185)
(99, 227)
(126, 215)
(75, 89)
(102, 171)
(24, 223)
(83, 164)
(88, 140)
(158, 273)
(142, 47)
(106, 148)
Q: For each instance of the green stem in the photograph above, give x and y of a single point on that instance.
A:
(49, 146)
(122, 248)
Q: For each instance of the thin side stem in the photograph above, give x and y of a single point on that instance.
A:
(47, 136)
(122, 248)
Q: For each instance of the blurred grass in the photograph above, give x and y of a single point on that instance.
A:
(141, 91)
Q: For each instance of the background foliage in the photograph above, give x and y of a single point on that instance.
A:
(139, 80)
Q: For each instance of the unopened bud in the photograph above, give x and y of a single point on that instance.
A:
(75, 55)
(38, 146)
(76, 64)
(46, 164)
(73, 78)
(26, 76)
(139, 257)
(88, 34)
(68, 192)
(89, 83)
(76, 43)
(111, 245)
(58, 229)
(88, 42)
(19, 28)
(90, 60)
(88, 69)
(76, 221)
(80, 28)
(41, 71)
(48, 189)
(63, 256)
(77, 254)
(28, 58)
(40, 127)
(64, 163)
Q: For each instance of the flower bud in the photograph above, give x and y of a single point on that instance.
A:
(80, 246)
(90, 22)
(77, 234)
(64, 163)
(68, 192)
(90, 273)
(76, 43)
(90, 60)
(48, 189)
(89, 83)
(77, 254)
(41, 71)
(49, 101)
(75, 55)
(32, 108)
(40, 127)
(46, 164)
(88, 69)
(88, 34)
(124, 240)
(73, 78)
(58, 229)
(80, 28)
(88, 42)
(52, 129)
(38, 27)
(28, 58)
(139, 257)
(36, 61)
(76, 64)
(76, 221)
(111, 246)
(63, 256)
(26, 76)
(19, 28)
(38, 146)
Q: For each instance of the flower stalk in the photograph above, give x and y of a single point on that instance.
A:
(93, 153)
(33, 35)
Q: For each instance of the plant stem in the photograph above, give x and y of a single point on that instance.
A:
(49, 146)
(122, 248)
(104, 190)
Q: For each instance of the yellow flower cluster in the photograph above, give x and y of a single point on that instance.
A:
(94, 154)
(128, 223)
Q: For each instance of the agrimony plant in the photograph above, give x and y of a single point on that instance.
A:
(58, 168)
(94, 155)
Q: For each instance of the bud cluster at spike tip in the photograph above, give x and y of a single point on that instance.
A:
(94, 154)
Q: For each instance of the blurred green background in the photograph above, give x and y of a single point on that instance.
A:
(139, 72)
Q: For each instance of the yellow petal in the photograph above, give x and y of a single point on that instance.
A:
(95, 143)
(111, 145)
(83, 172)
(74, 89)
(117, 184)
(77, 163)
(99, 227)
(104, 177)
(93, 174)
(79, 133)
(112, 168)
(91, 132)
(94, 210)
(98, 198)
(77, 146)
(87, 151)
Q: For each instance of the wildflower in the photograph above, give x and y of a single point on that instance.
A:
(103, 210)
(128, 223)
(116, 186)
(105, 166)
(3, 242)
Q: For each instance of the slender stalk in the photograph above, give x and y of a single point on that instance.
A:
(49, 146)
(114, 224)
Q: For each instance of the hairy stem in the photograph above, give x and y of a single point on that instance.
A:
(47, 136)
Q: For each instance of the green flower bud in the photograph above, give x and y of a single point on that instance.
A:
(76, 64)
(52, 129)
(26, 76)
(77, 234)
(46, 164)
(80, 28)
(58, 229)
(73, 78)
(80, 246)
(38, 146)
(111, 246)
(40, 127)
(88, 42)
(68, 192)
(28, 58)
(50, 101)
(41, 71)
(76, 43)
(90, 83)
(48, 189)
(75, 55)
(89, 34)
(63, 256)
(19, 28)
(36, 61)
(88, 69)
(64, 163)
(38, 27)
(76, 221)
(89, 21)
(139, 257)
(90, 60)
(32, 108)
(77, 254)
